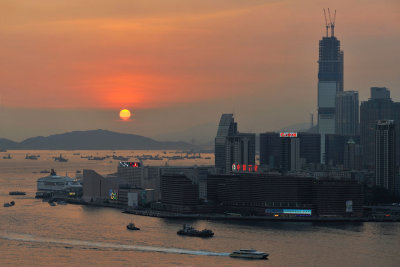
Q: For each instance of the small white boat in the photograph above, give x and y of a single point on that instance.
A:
(248, 254)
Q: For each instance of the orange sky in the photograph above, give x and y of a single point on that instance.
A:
(161, 57)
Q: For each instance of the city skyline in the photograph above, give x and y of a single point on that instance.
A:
(65, 70)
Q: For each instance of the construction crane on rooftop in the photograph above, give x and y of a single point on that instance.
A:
(331, 23)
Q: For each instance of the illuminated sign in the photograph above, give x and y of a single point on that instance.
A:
(244, 168)
(289, 211)
(126, 164)
(113, 194)
(288, 134)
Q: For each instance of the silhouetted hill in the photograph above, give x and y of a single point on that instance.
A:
(7, 144)
(94, 139)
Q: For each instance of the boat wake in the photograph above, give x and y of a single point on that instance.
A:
(82, 243)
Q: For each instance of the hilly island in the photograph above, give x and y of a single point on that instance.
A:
(92, 140)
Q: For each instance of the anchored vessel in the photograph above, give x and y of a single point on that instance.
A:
(190, 231)
(131, 226)
(17, 193)
(12, 203)
(249, 254)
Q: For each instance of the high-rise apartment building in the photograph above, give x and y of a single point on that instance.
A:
(330, 81)
(232, 146)
(347, 115)
(385, 155)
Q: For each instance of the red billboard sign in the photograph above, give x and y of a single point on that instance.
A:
(288, 134)
(244, 168)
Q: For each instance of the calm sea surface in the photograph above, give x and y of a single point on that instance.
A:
(33, 233)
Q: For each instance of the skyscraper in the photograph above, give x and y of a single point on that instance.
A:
(283, 153)
(330, 81)
(310, 147)
(379, 107)
(346, 117)
(380, 93)
(290, 154)
(352, 155)
(385, 155)
(270, 150)
(232, 146)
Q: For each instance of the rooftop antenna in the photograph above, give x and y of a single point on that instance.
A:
(326, 23)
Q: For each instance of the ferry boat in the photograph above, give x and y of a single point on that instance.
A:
(190, 231)
(248, 254)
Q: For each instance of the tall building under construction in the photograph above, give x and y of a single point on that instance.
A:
(330, 81)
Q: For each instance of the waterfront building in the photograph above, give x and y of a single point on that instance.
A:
(338, 198)
(347, 113)
(179, 193)
(136, 197)
(135, 175)
(385, 156)
(231, 146)
(99, 188)
(271, 194)
(379, 107)
(253, 193)
(330, 82)
(196, 174)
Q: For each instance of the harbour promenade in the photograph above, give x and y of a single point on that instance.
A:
(217, 216)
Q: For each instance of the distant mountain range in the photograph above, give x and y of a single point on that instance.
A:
(92, 140)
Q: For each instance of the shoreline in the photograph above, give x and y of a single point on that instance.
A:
(216, 217)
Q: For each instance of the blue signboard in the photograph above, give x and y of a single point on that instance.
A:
(288, 211)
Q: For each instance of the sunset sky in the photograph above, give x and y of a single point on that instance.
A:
(179, 64)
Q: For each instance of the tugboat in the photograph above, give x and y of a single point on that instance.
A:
(131, 226)
(190, 231)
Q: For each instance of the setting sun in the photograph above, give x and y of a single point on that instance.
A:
(125, 114)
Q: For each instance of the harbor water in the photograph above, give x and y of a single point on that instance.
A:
(33, 233)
